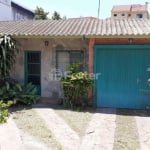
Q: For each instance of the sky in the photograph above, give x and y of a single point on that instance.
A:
(78, 8)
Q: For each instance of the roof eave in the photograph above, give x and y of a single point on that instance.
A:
(118, 36)
(81, 36)
(46, 36)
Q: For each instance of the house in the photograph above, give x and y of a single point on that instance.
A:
(130, 11)
(20, 12)
(10, 10)
(115, 52)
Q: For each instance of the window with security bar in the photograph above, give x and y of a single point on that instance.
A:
(66, 57)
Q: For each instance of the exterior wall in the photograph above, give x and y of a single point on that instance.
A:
(10, 11)
(49, 88)
(20, 14)
(145, 15)
(126, 15)
(5, 10)
(122, 41)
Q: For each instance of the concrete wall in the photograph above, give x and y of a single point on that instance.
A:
(49, 88)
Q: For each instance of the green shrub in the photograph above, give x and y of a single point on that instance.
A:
(4, 113)
(25, 94)
(75, 86)
(6, 88)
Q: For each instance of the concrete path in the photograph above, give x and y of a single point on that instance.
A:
(29, 143)
(68, 138)
(11, 138)
(100, 132)
(143, 126)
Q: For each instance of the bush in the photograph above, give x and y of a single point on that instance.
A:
(75, 86)
(25, 94)
(4, 113)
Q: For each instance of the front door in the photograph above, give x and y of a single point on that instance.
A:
(33, 69)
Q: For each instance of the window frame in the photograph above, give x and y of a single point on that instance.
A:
(139, 16)
(69, 51)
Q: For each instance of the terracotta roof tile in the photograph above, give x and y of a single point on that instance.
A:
(129, 8)
(121, 8)
(77, 27)
(138, 8)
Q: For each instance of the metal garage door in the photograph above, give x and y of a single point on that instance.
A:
(124, 72)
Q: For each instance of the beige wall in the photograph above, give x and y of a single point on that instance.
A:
(133, 15)
(49, 88)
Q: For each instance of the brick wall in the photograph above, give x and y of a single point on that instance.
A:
(122, 41)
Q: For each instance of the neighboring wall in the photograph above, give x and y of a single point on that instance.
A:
(49, 88)
(5, 10)
(20, 14)
(130, 15)
(13, 11)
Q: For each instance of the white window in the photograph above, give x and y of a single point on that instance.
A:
(66, 57)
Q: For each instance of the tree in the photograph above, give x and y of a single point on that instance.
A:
(40, 14)
(8, 51)
(64, 17)
(56, 16)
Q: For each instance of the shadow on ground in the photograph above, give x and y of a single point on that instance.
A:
(54, 104)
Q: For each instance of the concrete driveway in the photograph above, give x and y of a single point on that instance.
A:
(99, 135)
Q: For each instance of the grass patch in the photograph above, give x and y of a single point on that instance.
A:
(29, 121)
(126, 136)
(78, 121)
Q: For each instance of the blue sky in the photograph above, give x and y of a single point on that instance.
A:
(78, 8)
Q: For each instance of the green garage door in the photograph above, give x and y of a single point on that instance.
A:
(122, 76)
